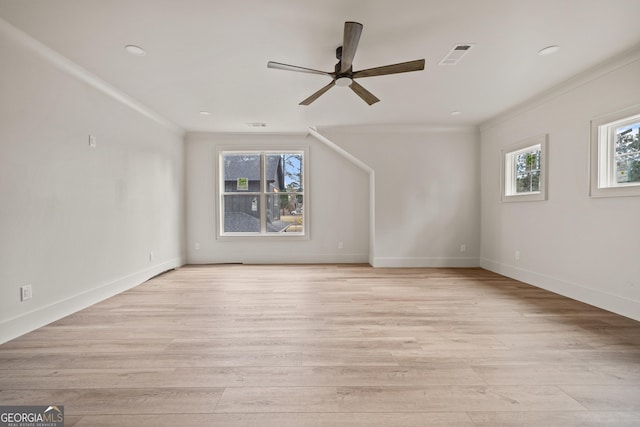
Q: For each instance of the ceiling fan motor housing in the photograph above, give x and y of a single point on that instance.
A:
(342, 79)
(337, 70)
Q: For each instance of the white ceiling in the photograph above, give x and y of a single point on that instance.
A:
(212, 55)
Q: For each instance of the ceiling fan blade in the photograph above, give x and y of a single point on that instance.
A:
(403, 67)
(279, 66)
(352, 31)
(317, 95)
(366, 96)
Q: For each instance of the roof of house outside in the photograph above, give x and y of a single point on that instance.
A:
(248, 166)
(242, 222)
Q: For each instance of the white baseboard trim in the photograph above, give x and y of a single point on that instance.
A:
(27, 322)
(614, 303)
(421, 262)
(281, 259)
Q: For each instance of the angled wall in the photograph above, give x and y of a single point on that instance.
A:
(427, 192)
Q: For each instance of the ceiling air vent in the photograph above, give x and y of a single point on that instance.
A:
(456, 54)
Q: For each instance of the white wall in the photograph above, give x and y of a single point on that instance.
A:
(78, 223)
(336, 202)
(585, 248)
(427, 200)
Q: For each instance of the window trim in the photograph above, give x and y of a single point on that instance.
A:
(220, 193)
(507, 170)
(602, 181)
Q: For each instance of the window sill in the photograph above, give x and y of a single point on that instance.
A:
(625, 191)
(257, 237)
(533, 197)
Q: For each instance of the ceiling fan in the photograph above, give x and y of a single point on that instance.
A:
(343, 75)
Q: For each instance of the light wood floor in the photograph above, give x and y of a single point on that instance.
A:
(331, 345)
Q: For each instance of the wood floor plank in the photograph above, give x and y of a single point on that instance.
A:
(121, 401)
(255, 376)
(148, 359)
(343, 419)
(88, 346)
(556, 373)
(556, 419)
(324, 345)
(395, 399)
(606, 397)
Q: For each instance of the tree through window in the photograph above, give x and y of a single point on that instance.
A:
(627, 157)
(528, 171)
(615, 154)
(524, 171)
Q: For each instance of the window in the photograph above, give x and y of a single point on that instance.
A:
(615, 154)
(261, 193)
(524, 171)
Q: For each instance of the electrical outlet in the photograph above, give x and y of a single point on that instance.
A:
(517, 255)
(340, 245)
(25, 292)
(463, 248)
(150, 256)
(92, 141)
(197, 246)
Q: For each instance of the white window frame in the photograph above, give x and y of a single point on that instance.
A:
(220, 193)
(602, 167)
(508, 157)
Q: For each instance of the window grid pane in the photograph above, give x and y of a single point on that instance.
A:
(528, 172)
(290, 214)
(241, 214)
(262, 193)
(627, 154)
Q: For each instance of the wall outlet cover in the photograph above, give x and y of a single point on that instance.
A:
(26, 292)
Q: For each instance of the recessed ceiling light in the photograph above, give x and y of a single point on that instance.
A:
(135, 50)
(205, 113)
(456, 113)
(549, 50)
(257, 125)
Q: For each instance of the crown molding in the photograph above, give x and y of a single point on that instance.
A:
(75, 70)
(604, 68)
(398, 128)
(243, 136)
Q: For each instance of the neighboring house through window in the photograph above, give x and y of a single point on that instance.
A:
(261, 193)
